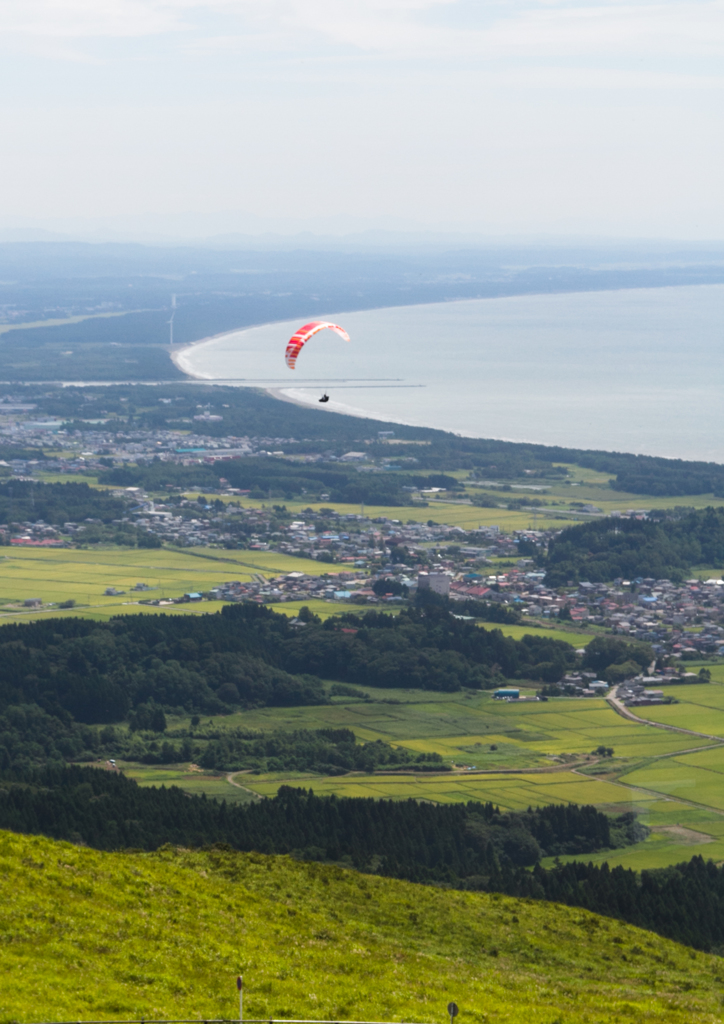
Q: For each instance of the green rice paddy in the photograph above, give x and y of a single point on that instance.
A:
(699, 708)
(569, 636)
(515, 755)
(510, 792)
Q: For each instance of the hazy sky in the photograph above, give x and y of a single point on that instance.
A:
(517, 116)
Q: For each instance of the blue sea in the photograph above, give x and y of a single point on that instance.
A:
(636, 370)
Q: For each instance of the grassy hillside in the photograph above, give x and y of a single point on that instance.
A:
(92, 935)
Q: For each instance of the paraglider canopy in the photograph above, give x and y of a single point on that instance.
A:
(299, 339)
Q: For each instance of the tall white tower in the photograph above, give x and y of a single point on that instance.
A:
(170, 322)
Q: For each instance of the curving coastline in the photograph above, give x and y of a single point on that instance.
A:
(598, 369)
(180, 362)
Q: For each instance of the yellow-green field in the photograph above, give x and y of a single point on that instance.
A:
(5, 328)
(569, 636)
(462, 727)
(513, 793)
(193, 782)
(699, 708)
(59, 574)
(678, 832)
(697, 777)
(470, 517)
(537, 746)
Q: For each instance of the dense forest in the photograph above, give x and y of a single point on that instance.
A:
(277, 478)
(615, 658)
(664, 546)
(248, 655)
(11, 451)
(426, 649)
(470, 846)
(650, 474)
(55, 504)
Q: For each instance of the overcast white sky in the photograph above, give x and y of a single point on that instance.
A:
(590, 117)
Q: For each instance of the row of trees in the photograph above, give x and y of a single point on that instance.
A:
(437, 842)
(426, 648)
(326, 751)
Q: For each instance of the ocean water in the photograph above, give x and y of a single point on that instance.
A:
(637, 370)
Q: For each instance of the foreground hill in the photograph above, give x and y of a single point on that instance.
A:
(102, 935)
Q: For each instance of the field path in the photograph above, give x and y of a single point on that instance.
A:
(232, 782)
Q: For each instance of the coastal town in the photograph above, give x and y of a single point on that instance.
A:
(380, 560)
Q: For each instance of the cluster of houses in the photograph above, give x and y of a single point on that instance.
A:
(637, 693)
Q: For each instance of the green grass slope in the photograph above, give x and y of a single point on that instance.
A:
(86, 935)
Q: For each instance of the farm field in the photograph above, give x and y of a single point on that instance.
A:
(192, 782)
(511, 792)
(82, 575)
(326, 608)
(451, 724)
(6, 328)
(700, 707)
(697, 777)
(452, 513)
(321, 608)
(57, 575)
(568, 636)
